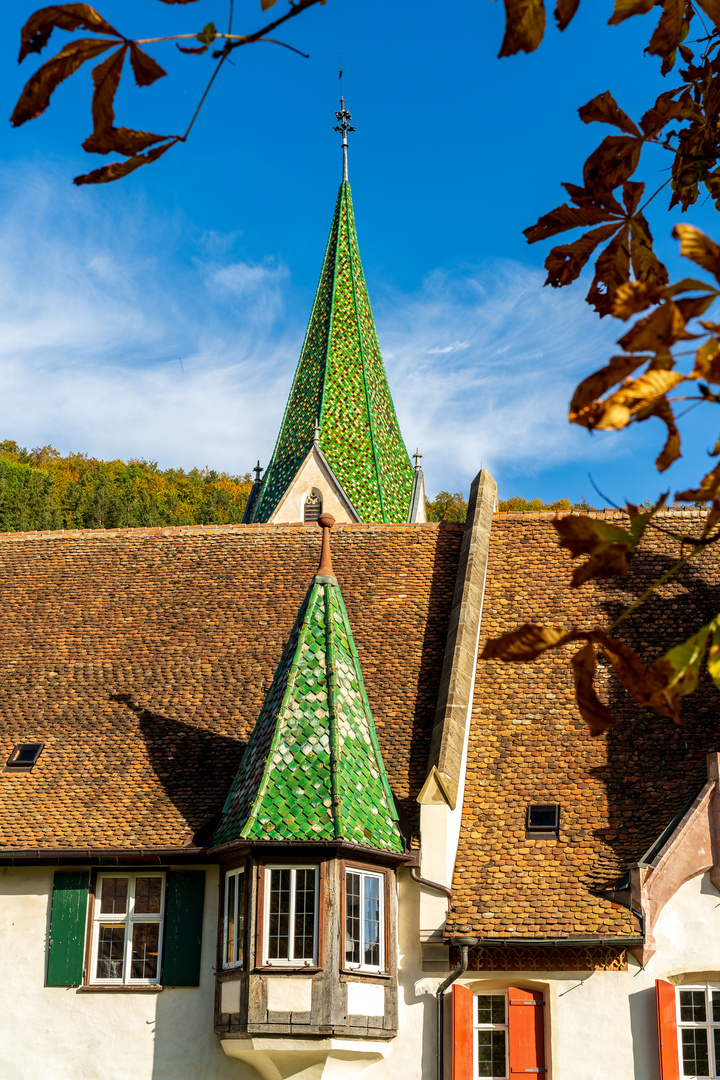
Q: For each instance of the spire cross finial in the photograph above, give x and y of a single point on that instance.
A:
(416, 457)
(325, 569)
(343, 127)
(257, 470)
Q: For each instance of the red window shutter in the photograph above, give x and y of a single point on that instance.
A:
(463, 1002)
(526, 1032)
(667, 1030)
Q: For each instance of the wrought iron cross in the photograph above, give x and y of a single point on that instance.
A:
(343, 127)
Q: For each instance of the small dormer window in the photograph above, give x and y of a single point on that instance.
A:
(543, 819)
(313, 506)
(24, 756)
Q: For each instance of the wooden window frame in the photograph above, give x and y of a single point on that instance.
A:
(383, 872)
(709, 1026)
(94, 919)
(477, 1026)
(263, 866)
(225, 872)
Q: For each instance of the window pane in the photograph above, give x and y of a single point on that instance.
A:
(230, 919)
(240, 919)
(491, 1008)
(352, 919)
(692, 1008)
(144, 956)
(148, 892)
(491, 1053)
(305, 914)
(716, 1006)
(695, 1049)
(113, 898)
(371, 922)
(111, 951)
(279, 922)
(716, 1037)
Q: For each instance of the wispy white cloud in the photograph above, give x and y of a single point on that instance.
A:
(116, 340)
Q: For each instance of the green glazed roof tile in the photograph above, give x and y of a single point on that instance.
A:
(312, 769)
(341, 384)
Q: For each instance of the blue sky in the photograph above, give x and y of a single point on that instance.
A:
(162, 316)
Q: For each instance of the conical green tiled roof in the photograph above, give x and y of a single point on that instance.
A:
(312, 770)
(341, 384)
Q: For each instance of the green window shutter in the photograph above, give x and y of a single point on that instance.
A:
(66, 947)
(183, 927)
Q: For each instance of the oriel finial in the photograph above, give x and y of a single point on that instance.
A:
(257, 470)
(316, 434)
(417, 456)
(325, 569)
(344, 126)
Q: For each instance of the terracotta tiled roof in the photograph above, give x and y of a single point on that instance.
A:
(141, 658)
(528, 743)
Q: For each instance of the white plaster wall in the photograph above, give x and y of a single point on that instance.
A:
(56, 1033)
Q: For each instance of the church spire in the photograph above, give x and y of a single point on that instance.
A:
(340, 439)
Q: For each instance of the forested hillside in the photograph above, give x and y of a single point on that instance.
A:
(41, 489)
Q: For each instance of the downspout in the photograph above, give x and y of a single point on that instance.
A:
(465, 945)
(433, 885)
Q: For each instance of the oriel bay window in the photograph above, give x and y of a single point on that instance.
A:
(127, 928)
(364, 920)
(290, 930)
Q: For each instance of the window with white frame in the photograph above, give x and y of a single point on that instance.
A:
(234, 919)
(127, 928)
(291, 915)
(698, 1023)
(364, 920)
(490, 1035)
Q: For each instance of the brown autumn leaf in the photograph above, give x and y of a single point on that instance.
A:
(524, 26)
(613, 162)
(567, 217)
(660, 329)
(118, 169)
(527, 642)
(612, 269)
(605, 110)
(565, 262)
(35, 97)
(645, 263)
(564, 11)
(676, 673)
(664, 110)
(669, 30)
(625, 8)
(609, 547)
(145, 69)
(595, 385)
(671, 450)
(633, 297)
(635, 396)
(709, 489)
(121, 140)
(597, 716)
(698, 247)
(106, 79)
(707, 360)
(590, 199)
(712, 9)
(265, 4)
(36, 32)
(632, 194)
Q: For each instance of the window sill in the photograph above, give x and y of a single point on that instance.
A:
(126, 989)
(287, 969)
(358, 973)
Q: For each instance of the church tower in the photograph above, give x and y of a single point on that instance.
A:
(340, 449)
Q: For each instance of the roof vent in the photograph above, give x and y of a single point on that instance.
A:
(24, 756)
(543, 819)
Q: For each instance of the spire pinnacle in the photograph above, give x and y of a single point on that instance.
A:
(416, 457)
(258, 471)
(325, 569)
(343, 127)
